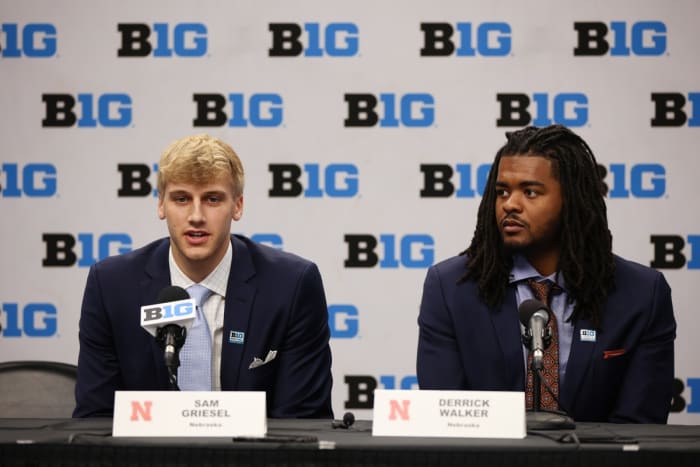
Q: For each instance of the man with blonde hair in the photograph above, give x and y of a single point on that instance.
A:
(263, 311)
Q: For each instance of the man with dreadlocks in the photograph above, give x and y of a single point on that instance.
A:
(543, 217)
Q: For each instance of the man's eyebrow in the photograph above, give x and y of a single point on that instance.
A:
(523, 183)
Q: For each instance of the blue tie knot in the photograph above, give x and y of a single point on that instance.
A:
(199, 293)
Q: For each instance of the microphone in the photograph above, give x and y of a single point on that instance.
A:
(169, 320)
(534, 315)
(348, 420)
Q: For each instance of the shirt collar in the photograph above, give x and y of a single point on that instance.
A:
(216, 281)
(523, 270)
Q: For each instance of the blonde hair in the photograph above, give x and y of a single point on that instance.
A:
(199, 159)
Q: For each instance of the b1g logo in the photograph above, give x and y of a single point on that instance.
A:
(182, 40)
(332, 40)
(668, 252)
(65, 250)
(679, 403)
(408, 251)
(343, 321)
(273, 240)
(361, 388)
(569, 109)
(462, 181)
(167, 311)
(485, 39)
(644, 38)
(414, 110)
(263, 110)
(634, 181)
(30, 320)
(670, 109)
(87, 111)
(270, 239)
(333, 181)
(35, 180)
(34, 40)
(135, 180)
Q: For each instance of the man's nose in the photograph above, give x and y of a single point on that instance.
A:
(196, 214)
(512, 203)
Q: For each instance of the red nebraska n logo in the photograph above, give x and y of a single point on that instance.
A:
(142, 411)
(399, 409)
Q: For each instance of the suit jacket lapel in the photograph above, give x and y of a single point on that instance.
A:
(240, 296)
(507, 330)
(577, 366)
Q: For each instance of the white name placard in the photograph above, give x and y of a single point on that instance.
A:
(454, 414)
(190, 413)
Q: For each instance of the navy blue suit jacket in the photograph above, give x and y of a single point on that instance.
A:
(276, 298)
(626, 375)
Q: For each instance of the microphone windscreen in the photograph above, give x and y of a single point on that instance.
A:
(172, 293)
(348, 419)
(530, 307)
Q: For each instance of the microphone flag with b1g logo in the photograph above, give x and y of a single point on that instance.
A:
(175, 307)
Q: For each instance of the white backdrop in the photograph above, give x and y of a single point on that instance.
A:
(61, 182)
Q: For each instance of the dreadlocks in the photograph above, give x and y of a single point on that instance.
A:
(586, 259)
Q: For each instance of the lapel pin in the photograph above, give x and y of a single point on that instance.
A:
(236, 337)
(587, 335)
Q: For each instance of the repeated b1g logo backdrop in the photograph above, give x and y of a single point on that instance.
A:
(367, 131)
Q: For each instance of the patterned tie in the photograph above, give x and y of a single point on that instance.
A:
(550, 373)
(195, 358)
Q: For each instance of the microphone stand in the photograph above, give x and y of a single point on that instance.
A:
(171, 338)
(538, 419)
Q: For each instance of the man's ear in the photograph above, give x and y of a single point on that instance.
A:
(238, 209)
(161, 207)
